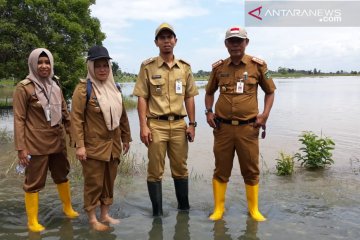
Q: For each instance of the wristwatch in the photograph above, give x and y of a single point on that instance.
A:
(193, 124)
(209, 110)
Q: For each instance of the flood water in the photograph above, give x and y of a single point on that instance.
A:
(308, 205)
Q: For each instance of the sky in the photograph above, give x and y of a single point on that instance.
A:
(200, 27)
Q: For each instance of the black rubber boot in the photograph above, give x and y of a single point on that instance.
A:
(155, 193)
(182, 191)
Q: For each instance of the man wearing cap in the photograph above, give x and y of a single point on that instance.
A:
(164, 84)
(237, 120)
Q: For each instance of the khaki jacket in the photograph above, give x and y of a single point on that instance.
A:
(225, 75)
(157, 82)
(89, 130)
(31, 130)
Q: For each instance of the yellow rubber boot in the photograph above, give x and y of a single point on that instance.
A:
(32, 209)
(219, 189)
(252, 194)
(64, 193)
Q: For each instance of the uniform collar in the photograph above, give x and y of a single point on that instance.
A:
(160, 61)
(245, 60)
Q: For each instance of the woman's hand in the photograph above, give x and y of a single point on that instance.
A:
(23, 157)
(126, 147)
(81, 153)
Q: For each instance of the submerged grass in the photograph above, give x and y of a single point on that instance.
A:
(128, 167)
(195, 176)
(129, 102)
(264, 167)
(355, 165)
(5, 136)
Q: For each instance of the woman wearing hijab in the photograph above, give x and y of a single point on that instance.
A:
(40, 114)
(101, 131)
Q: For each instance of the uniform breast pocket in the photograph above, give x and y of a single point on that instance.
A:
(225, 85)
(251, 85)
(157, 86)
(93, 106)
(35, 103)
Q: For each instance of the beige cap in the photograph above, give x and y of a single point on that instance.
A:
(164, 26)
(237, 32)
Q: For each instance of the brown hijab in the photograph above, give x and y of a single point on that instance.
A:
(108, 96)
(46, 89)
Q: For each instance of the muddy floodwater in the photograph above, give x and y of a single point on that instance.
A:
(317, 205)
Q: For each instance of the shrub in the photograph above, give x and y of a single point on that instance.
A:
(317, 150)
(285, 164)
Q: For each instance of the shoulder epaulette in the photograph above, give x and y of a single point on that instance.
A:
(183, 61)
(218, 63)
(83, 80)
(149, 60)
(25, 82)
(258, 60)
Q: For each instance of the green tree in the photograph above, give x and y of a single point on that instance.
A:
(65, 27)
(115, 68)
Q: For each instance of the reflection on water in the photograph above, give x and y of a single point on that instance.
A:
(220, 231)
(309, 205)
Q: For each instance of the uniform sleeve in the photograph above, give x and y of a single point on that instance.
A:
(125, 127)
(20, 101)
(78, 106)
(65, 115)
(191, 89)
(142, 87)
(212, 84)
(266, 82)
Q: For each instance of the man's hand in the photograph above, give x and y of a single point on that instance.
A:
(190, 133)
(145, 135)
(210, 118)
(260, 120)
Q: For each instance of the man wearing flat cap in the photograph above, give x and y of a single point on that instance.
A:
(236, 120)
(163, 85)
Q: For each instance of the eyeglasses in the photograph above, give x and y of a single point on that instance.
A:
(263, 134)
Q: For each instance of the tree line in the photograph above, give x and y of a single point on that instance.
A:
(284, 70)
(65, 27)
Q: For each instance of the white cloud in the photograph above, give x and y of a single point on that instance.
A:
(118, 14)
(306, 48)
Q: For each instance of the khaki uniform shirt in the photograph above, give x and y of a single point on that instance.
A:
(157, 82)
(89, 130)
(225, 75)
(31, 130)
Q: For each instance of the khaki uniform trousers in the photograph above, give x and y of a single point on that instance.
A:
(99, 178)
(244, 139)
(167, 137)
(36, 171)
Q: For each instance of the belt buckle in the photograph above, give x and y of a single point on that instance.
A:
(171, 118)
(234, 122)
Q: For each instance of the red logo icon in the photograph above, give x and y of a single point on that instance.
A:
(256, 13)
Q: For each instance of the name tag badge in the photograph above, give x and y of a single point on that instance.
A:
(240, 87)
(178, 87)
(47, 113)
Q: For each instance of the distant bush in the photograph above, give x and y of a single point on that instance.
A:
(316, 150)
